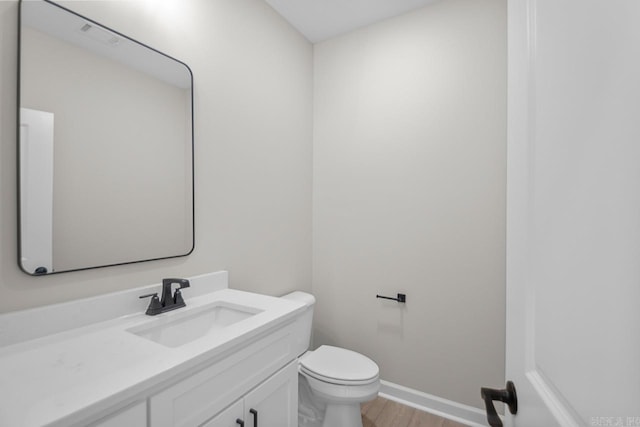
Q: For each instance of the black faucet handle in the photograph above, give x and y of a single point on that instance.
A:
(153, 295)
(177, 298)
(155, 306)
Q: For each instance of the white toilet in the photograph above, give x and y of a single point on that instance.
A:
(332, 381)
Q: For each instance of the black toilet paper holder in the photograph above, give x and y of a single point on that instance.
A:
(400, 298)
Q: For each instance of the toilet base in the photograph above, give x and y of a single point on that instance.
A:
(328, 406)
(342, 415)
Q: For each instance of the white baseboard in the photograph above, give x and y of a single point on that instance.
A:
(455, 411)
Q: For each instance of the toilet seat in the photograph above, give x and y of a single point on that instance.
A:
(335, 381)
(342, 394)
(340, 366)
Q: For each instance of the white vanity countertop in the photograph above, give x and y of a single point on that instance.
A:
(60, 378)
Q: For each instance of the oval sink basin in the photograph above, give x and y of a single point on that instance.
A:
(177, 329)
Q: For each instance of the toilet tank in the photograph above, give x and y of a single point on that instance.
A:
(304, 321)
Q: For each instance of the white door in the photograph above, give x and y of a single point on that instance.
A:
(573, 245)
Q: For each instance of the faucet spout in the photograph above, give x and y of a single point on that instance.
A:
(170, 300)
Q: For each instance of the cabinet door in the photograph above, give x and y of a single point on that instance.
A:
(230, 417)
(274, 403)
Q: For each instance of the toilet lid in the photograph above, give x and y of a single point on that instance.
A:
(339, 364)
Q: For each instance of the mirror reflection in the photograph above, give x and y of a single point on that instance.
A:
(105, 146)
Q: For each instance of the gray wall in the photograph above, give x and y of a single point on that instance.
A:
(253, 132)
(409, 195)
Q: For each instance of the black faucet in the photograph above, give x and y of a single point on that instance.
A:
(168, 302)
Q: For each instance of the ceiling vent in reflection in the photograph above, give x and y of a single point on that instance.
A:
(100, 34)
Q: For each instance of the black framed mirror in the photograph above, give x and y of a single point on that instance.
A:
(105, 146)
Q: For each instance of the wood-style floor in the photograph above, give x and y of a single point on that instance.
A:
(382, 412)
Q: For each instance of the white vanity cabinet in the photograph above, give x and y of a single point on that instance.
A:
(263, 375)
(236, 353)
(258, 382)
(272, 404)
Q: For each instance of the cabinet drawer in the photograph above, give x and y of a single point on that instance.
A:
(199, 397)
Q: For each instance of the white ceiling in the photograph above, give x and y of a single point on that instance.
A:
(320, 20)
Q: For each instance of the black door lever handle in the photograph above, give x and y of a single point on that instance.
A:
(507, 396)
